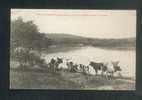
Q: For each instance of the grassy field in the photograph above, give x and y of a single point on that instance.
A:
(36, 79)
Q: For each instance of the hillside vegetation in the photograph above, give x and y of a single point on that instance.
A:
(63, 39)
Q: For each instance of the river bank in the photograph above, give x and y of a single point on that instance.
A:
(66, 80)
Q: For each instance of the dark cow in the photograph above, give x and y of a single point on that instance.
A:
(75, 69)
(116, 66)
(81, 67)
(84, 68)
(96, 66)
(104, 69)
(59, 61)
(70, 65)
(52, 64)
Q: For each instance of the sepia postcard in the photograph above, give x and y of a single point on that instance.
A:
(73, 49)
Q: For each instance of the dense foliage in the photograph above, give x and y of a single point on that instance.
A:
(25, 34)
(25, 38)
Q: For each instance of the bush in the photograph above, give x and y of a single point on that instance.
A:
(28, 59)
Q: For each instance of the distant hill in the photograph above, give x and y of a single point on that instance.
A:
(124, 42)
(63, 36)
(61, 39)
(65, 39)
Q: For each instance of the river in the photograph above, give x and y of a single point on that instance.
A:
(84, 55)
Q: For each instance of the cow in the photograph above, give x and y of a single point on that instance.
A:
(111, 68)
(96, 66)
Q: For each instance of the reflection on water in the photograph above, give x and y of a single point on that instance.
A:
(86, 54)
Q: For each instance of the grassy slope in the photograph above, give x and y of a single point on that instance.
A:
(39, 80)
(66, 80)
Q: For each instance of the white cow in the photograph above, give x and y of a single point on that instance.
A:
(112, 67)
(63, 65)
(109, 71)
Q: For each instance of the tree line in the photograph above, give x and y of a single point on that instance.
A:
(26, 42)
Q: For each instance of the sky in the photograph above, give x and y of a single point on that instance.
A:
(87, 23)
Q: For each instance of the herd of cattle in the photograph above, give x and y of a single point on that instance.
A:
(106, 69)
(55, 64)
